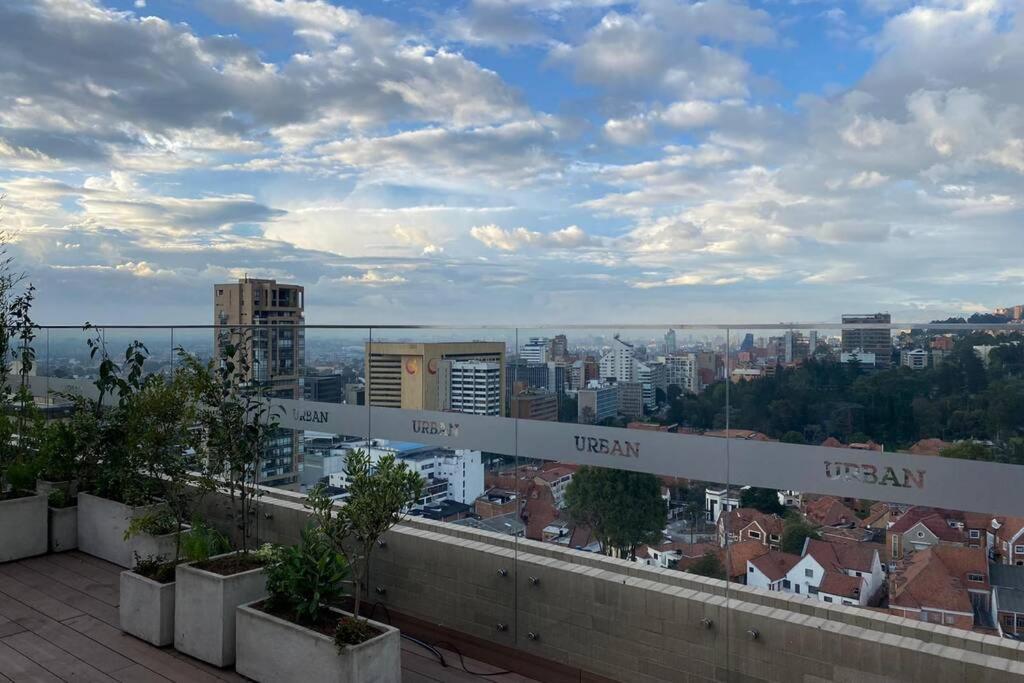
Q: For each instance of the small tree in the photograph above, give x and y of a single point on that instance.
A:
(624, 509)
(708, 565)
(794, 532)
(378, 496)
(238, 425)
(765, 500)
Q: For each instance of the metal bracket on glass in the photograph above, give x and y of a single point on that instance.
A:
(381, 590)
(533, 636)
(381, 543)
(754, 634)
(534, 580)
(502, 627)
(706, 622)
(502, 572)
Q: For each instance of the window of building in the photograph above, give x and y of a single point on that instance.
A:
(1020, 621)
(751, 570)
(786, 583)
(920, 534)
(1018, 548)
(775, 537)
(809, 573)
(847, 602)
(856, 573)
(950, 619)
(974, 533)
(974, 576)
(828, 598)
(757, 534)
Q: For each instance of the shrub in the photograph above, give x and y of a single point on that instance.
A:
(303, 580)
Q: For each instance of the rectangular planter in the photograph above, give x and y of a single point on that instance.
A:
(204, 611)
(23, 523)
(101, 527)
(273, 649)
(63, 529)
(147, 608)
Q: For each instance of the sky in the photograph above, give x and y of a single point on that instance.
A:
(510, 162)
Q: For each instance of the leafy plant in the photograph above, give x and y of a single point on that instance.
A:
(378, 496)
(202, 542)
(58, 455)
(156, 568)
(59, 498)
(156, 523)
(238, 425)
(352, 631)
(304, 580)
(624, 509)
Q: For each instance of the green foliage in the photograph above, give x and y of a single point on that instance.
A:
(159, 522)
(155, 568)
(238, 425)
(793, 436)
(624, 509)
(352, 632)
(708, 565)
(58, 458)
(22, 474)
(794, 532)
(59, 498)
(967, 450)
(378, 496)
(765, 500)
(303, 580)
(202, 542)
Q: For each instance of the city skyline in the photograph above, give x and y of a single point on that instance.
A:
(721, 160)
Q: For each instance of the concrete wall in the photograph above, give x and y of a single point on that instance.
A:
(632, 622)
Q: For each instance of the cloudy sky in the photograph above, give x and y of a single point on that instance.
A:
(516, 161)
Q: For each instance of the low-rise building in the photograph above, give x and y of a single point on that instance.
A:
(943, 585)
(915, 359)
(1008, 598)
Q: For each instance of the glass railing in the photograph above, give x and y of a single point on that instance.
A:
(854, 467)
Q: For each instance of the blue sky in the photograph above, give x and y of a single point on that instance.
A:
(516, 161)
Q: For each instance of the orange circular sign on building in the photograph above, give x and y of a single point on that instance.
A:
(412, 366)
(432, 366)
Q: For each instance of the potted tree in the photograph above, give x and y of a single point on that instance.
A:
(165, 412)
(115, 492)
(238, 426)
(298, 633)
(63, 517)
(23, 512)
(58, 461)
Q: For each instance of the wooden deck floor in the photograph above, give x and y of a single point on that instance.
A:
(59, 622)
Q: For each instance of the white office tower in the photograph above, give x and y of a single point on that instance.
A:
(619, 363)
(473, 387)
(537, 350)
(681, 370)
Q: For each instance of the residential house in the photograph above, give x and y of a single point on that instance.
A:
(749, 524)
(719, 499)
(846, 573)
(736, 557)
(770, 571)
(673, 554)
(920, 528)
(1008, 598)
(1008, 541)
(943, 584)
(830, 511)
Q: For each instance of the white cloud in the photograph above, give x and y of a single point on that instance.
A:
(517, 239)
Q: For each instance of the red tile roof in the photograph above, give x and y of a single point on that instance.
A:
(737, 554)
(839, 557)
(931, 519)
(929, 447)
(835, 583)
(775, 564)
(830, 511)
(937, 578)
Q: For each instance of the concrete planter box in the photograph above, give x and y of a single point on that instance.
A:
(101, 527)
(147, 608)
(204, 610)
(46, 487)
(272, 649)
(63, 529)
(23, 523)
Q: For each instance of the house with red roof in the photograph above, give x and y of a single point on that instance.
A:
(923, 527)
(769, 571)
(1008, 540)
(749, 524)
(830, 511)
(944, 584)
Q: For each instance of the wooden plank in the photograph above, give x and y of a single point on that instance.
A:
(101, 590)
(37, 600)
(10, 628)
(19, 612)
(61, 592)
(222, 674)
(84, 648)
(74, 562)
(55, 660)
(139, 652)
(410, 676)
(138, 674)
(96, 562)
(18, 667)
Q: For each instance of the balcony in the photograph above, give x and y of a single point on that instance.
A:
(907, 484)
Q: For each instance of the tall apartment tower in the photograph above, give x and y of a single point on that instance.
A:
(411, 376)
(670, 342)
(559, 347)
(620, 362)
(269, 318)
(876, 341)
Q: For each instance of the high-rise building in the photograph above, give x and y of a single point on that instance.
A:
(535, 406)
(748, 342)
(681, 370)
(558, 376)
(406, 375)
(670, 342)
(324, 388)
(877, 341)
(597, 403)
(619, 363)
(537, 350)
(582, 372)
(470, 386)
(651, 376)
(559, 347)
(267, 319)
(631, 399)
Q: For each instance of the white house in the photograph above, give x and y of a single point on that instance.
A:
(841, 573)
(770, 571)
(718, 500)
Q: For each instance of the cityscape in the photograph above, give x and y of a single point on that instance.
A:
(538, 341)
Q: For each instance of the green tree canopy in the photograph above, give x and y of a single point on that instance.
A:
(709, 565)
(795, 531)
(765, 500)
(624, 509)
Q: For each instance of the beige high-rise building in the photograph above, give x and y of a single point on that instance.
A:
(268, 317)
(411, 376)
